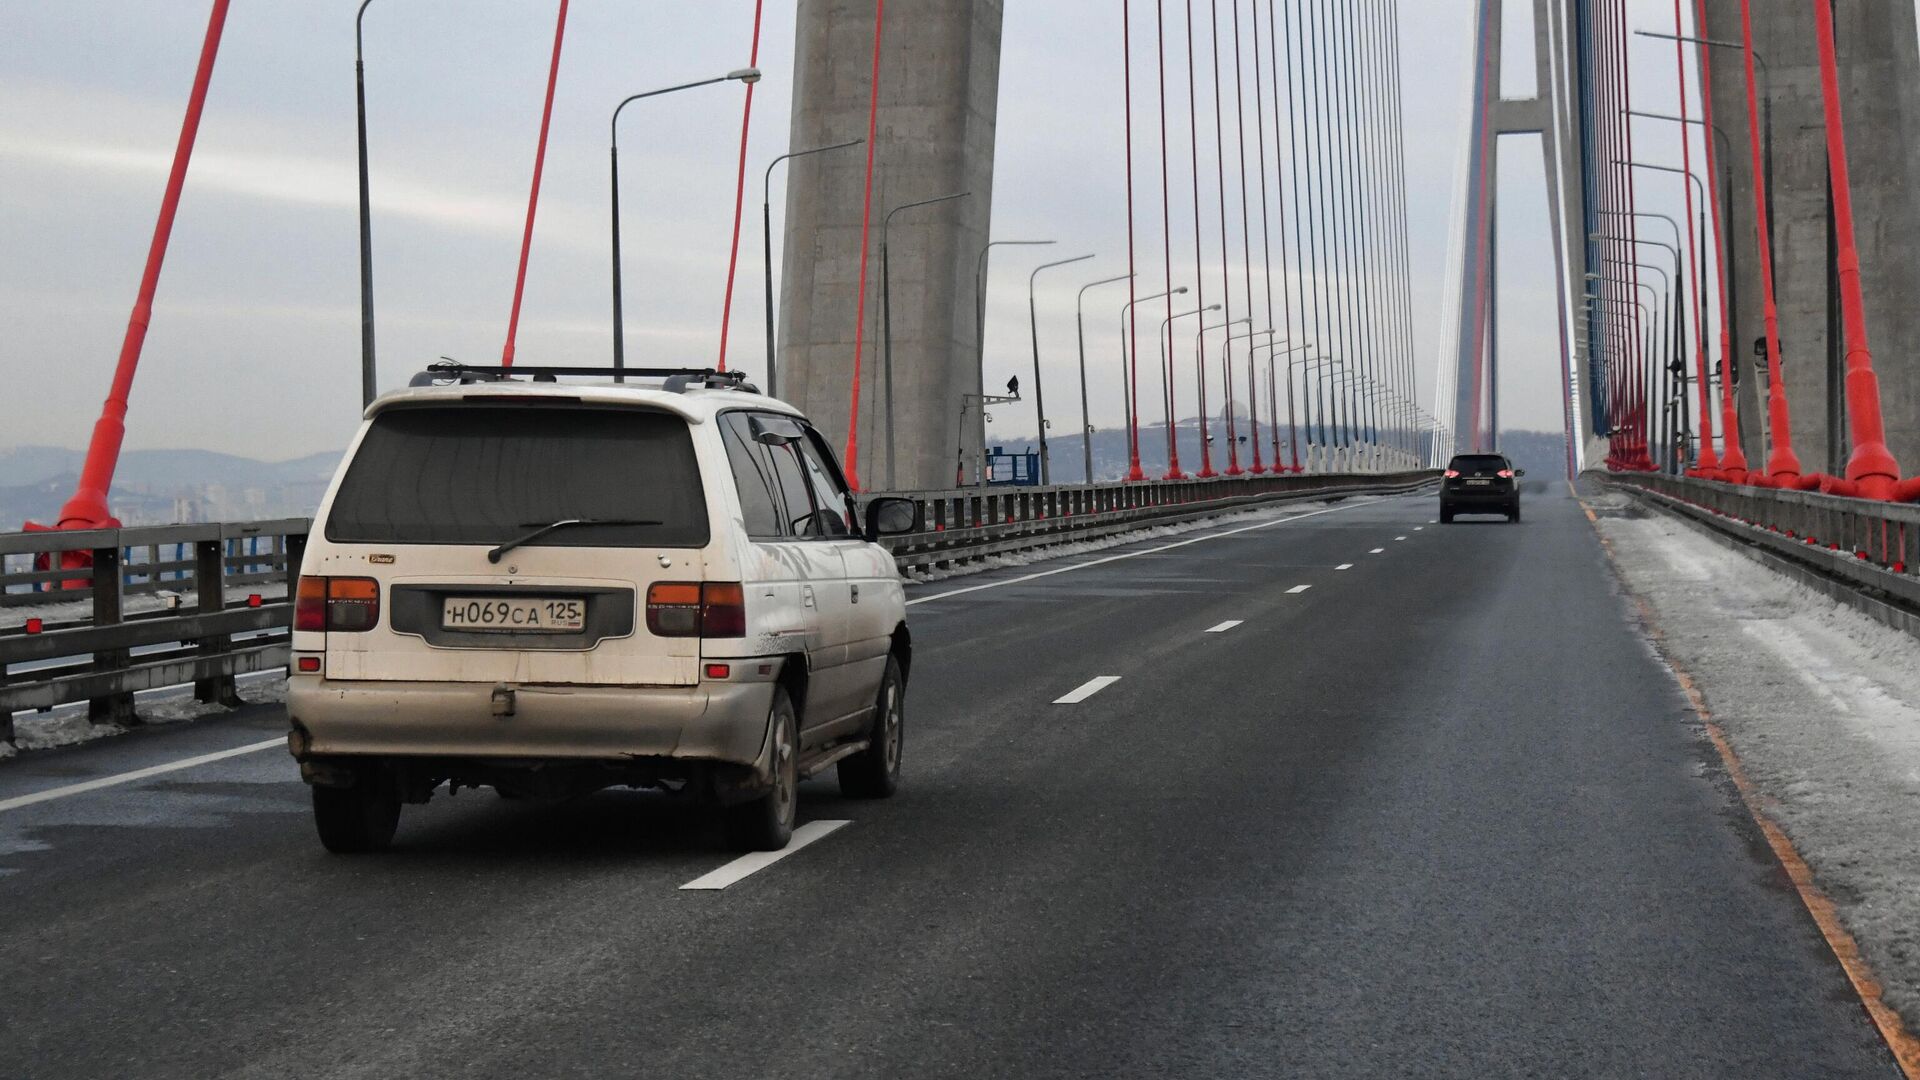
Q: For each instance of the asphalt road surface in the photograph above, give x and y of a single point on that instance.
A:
(1369, 796)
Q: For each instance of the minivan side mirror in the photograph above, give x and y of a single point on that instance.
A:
(890, 516)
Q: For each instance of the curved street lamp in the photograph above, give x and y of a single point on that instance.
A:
(748, 75)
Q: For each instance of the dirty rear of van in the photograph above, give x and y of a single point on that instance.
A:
(513, 589)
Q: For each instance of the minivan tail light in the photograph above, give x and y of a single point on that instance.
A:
(715, 609)
(310, 604)
(723, 610)
(673, 609)
(345, 605)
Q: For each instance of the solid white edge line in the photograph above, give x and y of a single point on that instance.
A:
(1299, 588)
(1148, 551)
(748, 865)
(1344, 566)
(117, 779)
(1225, 626)
(1086, 690)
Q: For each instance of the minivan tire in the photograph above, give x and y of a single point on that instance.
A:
(766, 823)
(356, 820)
(874, 773)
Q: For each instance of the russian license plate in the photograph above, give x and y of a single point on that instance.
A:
(521, 614)
(1479, 481)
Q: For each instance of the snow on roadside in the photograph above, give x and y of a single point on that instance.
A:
(68, 724)
(1821, 703)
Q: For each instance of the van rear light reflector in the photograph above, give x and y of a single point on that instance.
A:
(307, 665)
(719, 671)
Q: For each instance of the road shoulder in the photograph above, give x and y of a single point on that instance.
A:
(1818, 710)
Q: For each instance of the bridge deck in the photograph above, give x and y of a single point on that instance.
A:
(1441, 812)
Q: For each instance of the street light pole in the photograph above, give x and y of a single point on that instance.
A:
(1126, 390)
(1080, 331)
(766, 234)
(886, 321)
(746, 75)
(1166, 391)
(367, 379)
(1039, 391)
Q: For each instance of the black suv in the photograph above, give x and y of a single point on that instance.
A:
(1480, 484)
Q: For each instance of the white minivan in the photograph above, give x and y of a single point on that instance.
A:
(549, 587)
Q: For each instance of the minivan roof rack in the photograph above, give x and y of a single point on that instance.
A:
(673, 380)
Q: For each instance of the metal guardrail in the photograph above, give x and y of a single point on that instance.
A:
(79, 642)
(966, 524)
(1872, 546)
(103, 654)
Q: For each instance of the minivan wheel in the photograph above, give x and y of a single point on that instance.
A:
(766, 823)
(358, 819)
(874, 773)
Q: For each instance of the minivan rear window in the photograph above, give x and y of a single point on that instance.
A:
(484, 474)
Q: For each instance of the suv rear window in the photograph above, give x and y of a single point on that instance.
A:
(1479, 463)
(483, 474)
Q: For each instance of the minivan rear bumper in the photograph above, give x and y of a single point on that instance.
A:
(713, 721)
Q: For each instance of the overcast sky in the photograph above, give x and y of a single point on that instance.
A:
(254, 344)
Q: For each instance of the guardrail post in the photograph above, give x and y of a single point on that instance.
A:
(210, 585)
(113, 708)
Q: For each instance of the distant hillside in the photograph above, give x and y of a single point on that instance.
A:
(20, 465)
(164, 486)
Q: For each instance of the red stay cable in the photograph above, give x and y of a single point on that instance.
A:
(1133, 319)
(1871, 469)
(866, 219)
(533, 196)
(740, 190)
(87, 509)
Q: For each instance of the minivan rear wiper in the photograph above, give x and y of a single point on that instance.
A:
(553, 526)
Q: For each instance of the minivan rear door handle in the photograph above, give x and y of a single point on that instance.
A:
(856, 593)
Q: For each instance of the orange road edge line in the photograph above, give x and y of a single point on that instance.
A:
(1903, 1044)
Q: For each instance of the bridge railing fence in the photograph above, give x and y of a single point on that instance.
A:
(153, 607)
(1872, 545)
(170, 605)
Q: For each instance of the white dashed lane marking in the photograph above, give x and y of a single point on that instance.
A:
(1224, 627)
(1086, 690)
(748, 865)
(1344, 566)
(1299, 588)
(1376, 551)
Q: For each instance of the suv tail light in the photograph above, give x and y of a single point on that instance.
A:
(343, 605)
(1453, 474)
(716, 609)
(1505, 474)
